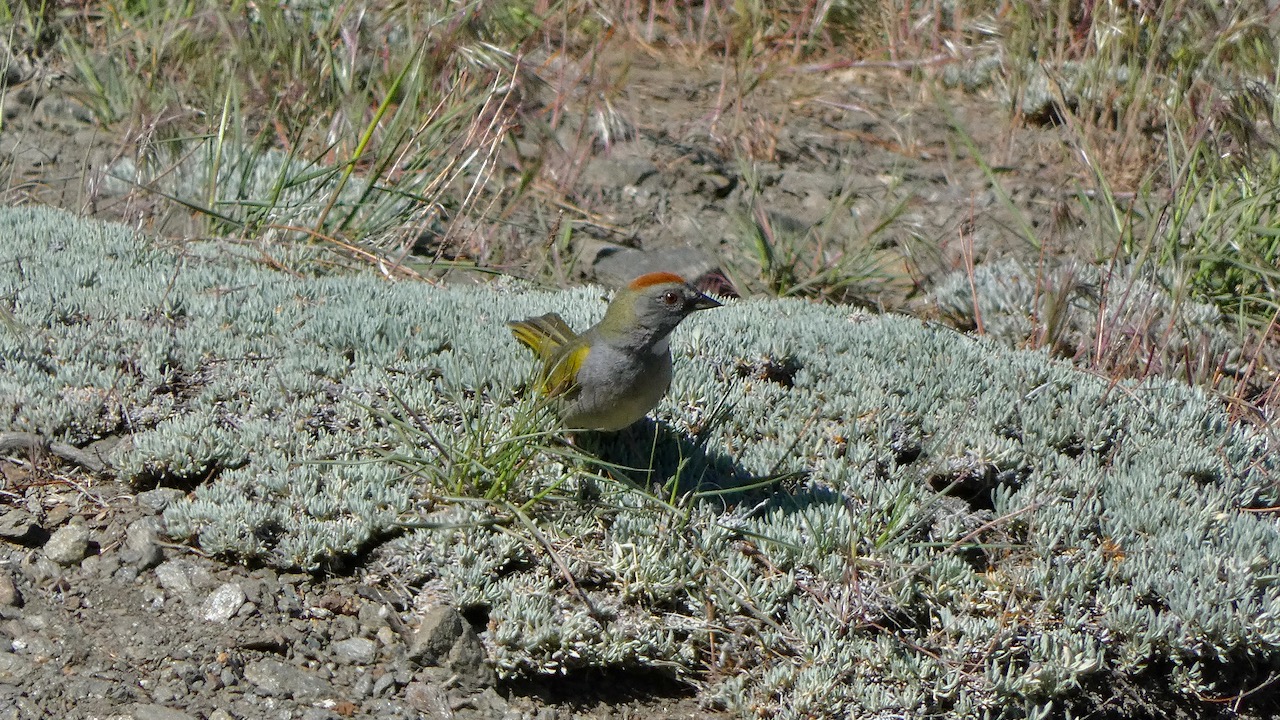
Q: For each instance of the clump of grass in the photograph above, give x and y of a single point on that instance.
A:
(31, 27)
(1166, 107)
(485, 457)
(1221, 226)
(723, 28)
(838, 258)
(380, 127)
(1168, 110)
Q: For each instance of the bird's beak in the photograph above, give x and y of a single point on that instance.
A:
(704, 302)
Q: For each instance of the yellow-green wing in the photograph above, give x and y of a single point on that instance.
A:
(561, 373)
(544, 334)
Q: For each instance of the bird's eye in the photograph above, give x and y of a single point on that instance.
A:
(670, 297)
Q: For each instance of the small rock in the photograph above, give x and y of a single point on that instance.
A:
(126, 575)
(173, 577)
(91, 566)
(372, 616)
(104, 565)
(490, 704)
(446, 639)
(253, 589)
(68, 545)
(9, 595)
(220, 714)
(356, 650)
(40, 569)
(165, 693)
(467, 661)
(31, 640)
(15, 669)
(142, 544)
(277, 639)
(386, 636)
(343, 626)
(222, 604)
(619, 168)
(158, 712)
(362, 687)
(384, 683)
(37, 622)
(58, 514)
(441, 627)
(428, 699)
(157, 500)
(287, 601)
(276, 678)
(15, 524)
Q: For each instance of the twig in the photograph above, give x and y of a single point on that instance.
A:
(90, 458)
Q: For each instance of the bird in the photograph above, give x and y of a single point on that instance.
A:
(613, 374)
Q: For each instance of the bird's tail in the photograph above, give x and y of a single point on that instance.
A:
(543, 334)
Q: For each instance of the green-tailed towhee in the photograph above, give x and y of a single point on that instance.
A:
(611, 375)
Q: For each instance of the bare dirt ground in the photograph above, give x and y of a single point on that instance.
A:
(102, 616)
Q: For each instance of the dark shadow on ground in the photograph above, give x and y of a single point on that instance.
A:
(662, 460)
(585, 689)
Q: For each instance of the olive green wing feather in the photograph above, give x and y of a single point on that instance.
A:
(559, 348)
(544, 334)
(561, 375)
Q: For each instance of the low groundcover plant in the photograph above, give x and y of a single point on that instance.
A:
(832, 512)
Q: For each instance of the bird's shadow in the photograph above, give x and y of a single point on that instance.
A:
(662, 460)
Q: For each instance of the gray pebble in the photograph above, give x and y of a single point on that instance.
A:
(372, 616)
(275, 678)
(428, 699)
(91, 566)
(467, 661)
(40, 569)
(68, 544)
(382, 684)
(446, 639)
(344, 626)
(157, 500)
(15, 668)
(223, 603)
(102, 565)
(126, 575)
(158, 712)
(173, 577)
(362, 687)
(142, 544)
(165, 693)
(9, 595)
(441, 627)
(490, 704)
(386, 636)
(356, 650)
(185, 670)
(33, 644)
(253, 589)
(15, 524)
